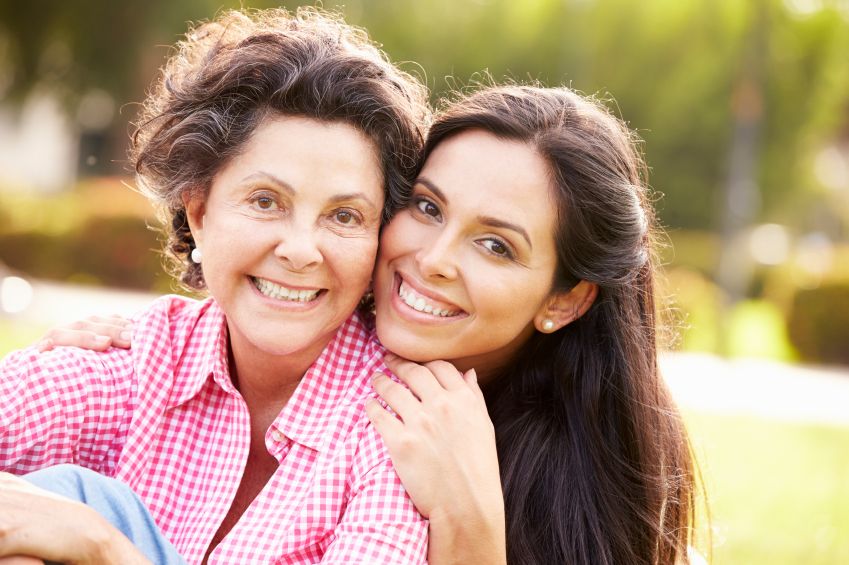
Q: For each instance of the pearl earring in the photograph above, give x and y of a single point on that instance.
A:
(547, 325)
(197, 256)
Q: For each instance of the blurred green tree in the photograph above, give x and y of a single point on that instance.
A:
(671, 66)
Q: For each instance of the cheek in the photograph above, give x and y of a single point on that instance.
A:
(400, 236)
(513, 300)
(353, 258)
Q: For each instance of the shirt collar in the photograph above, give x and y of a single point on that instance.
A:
(309, 414)
(335, 380)
(203, 354)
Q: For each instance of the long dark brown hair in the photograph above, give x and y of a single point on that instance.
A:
(595, 462)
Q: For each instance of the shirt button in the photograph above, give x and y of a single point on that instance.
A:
(277, 435)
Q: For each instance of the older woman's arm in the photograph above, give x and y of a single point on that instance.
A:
(64, 406)
(443, 448)
(41, 524)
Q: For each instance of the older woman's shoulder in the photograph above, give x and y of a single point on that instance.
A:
(176, 308)
(176, 319)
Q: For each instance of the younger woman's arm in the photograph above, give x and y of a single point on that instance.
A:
(443, 449)
(96, 333)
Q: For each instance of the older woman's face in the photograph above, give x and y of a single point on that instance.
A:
(467, 268)
(289, 233)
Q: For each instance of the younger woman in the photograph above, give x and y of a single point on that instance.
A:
(525, 257)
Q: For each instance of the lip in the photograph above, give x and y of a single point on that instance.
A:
(413, 315)
(288, 305)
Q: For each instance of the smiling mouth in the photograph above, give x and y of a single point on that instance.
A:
(279, 292)
(424, 304)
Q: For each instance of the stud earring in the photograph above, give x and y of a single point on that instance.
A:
(547, 325)
(197, 256)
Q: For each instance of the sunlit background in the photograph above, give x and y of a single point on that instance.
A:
(744, 109)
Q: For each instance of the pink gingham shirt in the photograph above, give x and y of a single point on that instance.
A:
(165, 418)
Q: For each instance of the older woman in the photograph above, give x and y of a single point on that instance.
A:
(275, 144)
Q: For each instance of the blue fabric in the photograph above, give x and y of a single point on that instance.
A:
(113, 500)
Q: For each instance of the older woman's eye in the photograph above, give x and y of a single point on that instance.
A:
(265, 203)
(346, 217)
(427, 207)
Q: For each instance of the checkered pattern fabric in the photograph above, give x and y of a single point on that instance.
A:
(165, 418)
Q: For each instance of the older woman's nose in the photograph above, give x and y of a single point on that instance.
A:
(298, 249)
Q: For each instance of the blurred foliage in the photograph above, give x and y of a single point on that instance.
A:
(95, 234)
(694, 304)
(674, 69)
(797, 314)
(757, 328)
(752, 328)
(819, 323)
(671, 66)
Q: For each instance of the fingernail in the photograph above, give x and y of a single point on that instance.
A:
(126, 335)
(375, 377)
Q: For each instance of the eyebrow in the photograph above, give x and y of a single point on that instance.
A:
(353, 196)
(287, 188)
(280, 183)
(485, 220)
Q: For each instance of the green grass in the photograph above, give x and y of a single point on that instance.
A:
(14, 335)
(778, 492)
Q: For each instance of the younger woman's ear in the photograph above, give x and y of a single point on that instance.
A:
(563, 308)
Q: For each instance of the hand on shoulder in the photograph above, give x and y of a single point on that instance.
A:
(443, 447)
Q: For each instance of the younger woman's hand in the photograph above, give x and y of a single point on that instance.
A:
(96, 333)
(443, 448)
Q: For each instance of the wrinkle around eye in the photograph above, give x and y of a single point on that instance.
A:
(359, 227)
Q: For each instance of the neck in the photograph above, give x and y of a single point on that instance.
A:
(485, 369)
(490, 365)
(267, 380)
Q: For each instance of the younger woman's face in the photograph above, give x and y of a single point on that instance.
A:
(463, 271)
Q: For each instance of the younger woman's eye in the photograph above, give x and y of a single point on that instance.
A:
(427, 207)
(498, 248)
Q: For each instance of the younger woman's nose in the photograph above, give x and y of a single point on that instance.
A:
(436, 258)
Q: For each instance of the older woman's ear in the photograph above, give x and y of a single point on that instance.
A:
(195, 210)
(563, 308)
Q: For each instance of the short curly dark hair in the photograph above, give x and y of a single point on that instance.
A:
(229, 74)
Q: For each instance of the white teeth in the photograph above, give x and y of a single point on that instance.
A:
(418, 302)
(273, 290)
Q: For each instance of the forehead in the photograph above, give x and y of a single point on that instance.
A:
(481, 174)
(308, 153)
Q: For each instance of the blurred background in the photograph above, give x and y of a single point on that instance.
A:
(744, 109)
